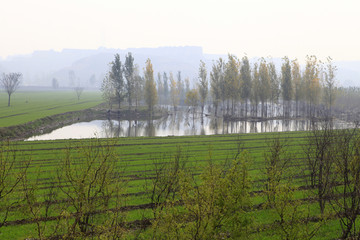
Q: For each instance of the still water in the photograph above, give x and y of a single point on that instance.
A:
(180, 124)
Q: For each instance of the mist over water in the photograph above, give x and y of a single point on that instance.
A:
(179, 124)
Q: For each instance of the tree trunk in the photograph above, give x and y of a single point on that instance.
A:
(246, 107)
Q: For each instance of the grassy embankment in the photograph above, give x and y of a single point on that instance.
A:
(32, 112)
(28, 106)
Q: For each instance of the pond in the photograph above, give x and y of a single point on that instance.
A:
(179, 124)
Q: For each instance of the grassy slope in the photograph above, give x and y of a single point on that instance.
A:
(138, 154)
(30, 105)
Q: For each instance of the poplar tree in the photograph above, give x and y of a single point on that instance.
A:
(187, 85)
(312, 83)
(297, 83)
(274, 86)
(116, 76)
(203, 85)
(174, 91)
(245, 73)
(108, 90)
(138, 87)
(265, 89)
(255, 90)
(232, 80)
(216, 81)
(286, 86)
(129, 69)
(166, 87)
(160, 88)
(329, 85)
(192, 99)
(180, 86)
(150, 86)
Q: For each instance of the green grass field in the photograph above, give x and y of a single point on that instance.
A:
(31, 105)
(136, 159)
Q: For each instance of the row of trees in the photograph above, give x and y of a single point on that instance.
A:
(124, 82)
(239, 89)
(235, 85)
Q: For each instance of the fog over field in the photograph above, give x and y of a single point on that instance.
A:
(40, 67)
(47, 39)
(191, 119)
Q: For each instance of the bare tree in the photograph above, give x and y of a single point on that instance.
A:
(55, 83)
(93, 186)
(79, 91)
(10, 177)
(320, 161)
(280, 194)
(10, 83)
(346, 204)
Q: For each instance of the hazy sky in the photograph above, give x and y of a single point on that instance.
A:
(257, 27)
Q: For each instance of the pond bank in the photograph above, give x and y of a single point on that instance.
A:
(50, 123)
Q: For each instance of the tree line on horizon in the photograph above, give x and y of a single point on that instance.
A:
(233, 86)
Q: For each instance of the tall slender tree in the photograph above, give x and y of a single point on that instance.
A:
(108, 90)
(150, 86)
(160, 88)
(180, 86)
(255, 90)
(187, 85)
(232, 81)
(174, 92)
(192, 99)
(203, 85)
(245, 73)
(329, 85)
(274, 86)
(265, 86)
(216, 82)
(297, 83)
(116, 76)
(166, 87)
(312, 83)
(129, 69)
(286, 86)
(138, 87)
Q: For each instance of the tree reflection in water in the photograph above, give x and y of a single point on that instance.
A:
(178, 124)
(184, 123)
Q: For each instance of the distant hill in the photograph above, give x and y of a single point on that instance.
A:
(40, 67)
(348, 73)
